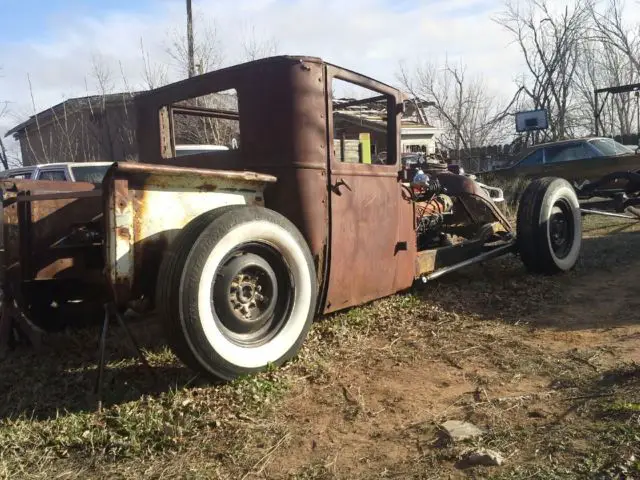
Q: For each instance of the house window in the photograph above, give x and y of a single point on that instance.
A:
(361, 130)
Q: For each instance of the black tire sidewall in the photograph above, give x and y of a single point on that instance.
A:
(168, 282)
(534, 212)
(215, 354)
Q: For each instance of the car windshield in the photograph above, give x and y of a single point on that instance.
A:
(89, 173)
(609, 147)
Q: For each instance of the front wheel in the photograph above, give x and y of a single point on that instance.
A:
(549, 226)
(237, 292)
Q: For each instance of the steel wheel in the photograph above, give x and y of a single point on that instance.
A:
(561, 228)
(251, 293)
(237, 292)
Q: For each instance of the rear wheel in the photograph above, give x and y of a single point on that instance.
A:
(237, 292)
(549, 226)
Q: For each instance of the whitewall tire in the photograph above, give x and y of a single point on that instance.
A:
(237, 292)
(549, 226)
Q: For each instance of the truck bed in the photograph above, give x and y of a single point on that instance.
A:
(62, 240)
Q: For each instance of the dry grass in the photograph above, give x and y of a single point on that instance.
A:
(545, 364)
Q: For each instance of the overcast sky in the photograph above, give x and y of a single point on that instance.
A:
(52, 42)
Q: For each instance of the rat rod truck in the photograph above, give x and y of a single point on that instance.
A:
(238, 250)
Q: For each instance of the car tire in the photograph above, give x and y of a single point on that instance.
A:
(548, 226)
(237, 292)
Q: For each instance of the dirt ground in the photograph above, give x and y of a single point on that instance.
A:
(595, 322)
(547, 366)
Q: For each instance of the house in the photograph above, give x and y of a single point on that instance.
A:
(84, 129)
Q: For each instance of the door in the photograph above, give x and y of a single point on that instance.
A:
(364, 190)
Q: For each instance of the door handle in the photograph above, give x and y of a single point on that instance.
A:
(338, 184)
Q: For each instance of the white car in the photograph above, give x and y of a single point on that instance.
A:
(182, 150)
(92, 172)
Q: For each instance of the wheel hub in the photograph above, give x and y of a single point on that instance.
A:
(560, 230)
(245, 294)
(246, 298)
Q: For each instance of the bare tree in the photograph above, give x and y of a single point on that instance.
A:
(611, 29)
(603, 65)
(207, 49)
(551, 41)
(617, 45)
(469, 114)
(3, 155)
(154, 75)
(208, 55)
(255, 48)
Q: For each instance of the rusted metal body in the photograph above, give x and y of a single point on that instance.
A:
(352, 215)
(130, 223)
(145, 207)
(37, 238)
(359, 227)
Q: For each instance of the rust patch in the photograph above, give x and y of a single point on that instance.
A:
(123, 233)
(55, 268)
(425, 262)
(149, 174)
(40, 224)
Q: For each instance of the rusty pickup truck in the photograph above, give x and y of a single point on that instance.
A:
(237, 250)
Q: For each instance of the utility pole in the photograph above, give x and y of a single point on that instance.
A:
(192, 67)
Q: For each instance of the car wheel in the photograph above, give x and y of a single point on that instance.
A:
(237, 292)
(549, 227)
